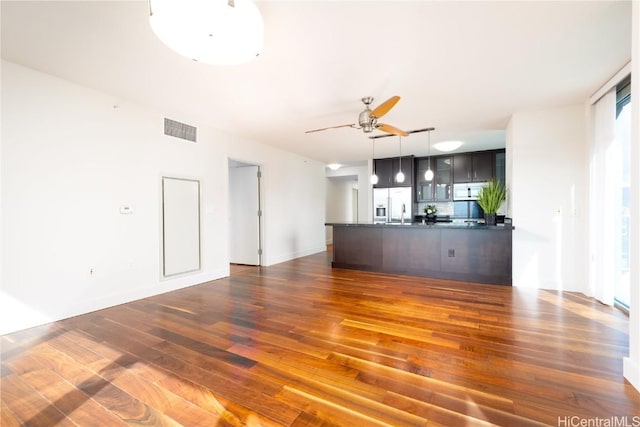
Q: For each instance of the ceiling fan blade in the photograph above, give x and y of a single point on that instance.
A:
(409, 132)
(384, 108)
(391, 129)
(331, 127)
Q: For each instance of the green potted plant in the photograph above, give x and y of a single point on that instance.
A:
(430, 212)
(490, 198)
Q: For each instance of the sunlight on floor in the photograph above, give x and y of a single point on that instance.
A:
(610, 320)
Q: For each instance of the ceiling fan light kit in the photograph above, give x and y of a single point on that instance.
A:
(218, 32)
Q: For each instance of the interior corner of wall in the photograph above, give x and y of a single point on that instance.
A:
(631, 371)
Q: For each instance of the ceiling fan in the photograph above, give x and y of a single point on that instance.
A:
(368, 119)
(409, 132)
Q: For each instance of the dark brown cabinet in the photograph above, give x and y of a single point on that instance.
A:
(482, 163)
(439, 188)
(388, 168)
(384, 169)
(472, 254)
(473, 167)
(424, 188)
(484, 256)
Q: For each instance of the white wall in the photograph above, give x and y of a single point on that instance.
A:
(365, 190)
(339, 202)
(70, 160)
(293, 195)
(548, 191)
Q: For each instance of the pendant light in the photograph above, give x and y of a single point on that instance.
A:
(219, 32)
(374, 177)
(400, 175)
(428, 175)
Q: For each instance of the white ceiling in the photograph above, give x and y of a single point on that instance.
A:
(462, 67)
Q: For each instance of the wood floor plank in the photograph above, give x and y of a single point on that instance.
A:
(223, 411)
(222, 369)
(254, 400)
(161, 399)
(78, 407)
(7, 417)
(302, 344)
(29, 406)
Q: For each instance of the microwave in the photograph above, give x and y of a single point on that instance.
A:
(467, 190)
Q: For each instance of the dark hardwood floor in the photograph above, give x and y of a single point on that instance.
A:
(300, 344)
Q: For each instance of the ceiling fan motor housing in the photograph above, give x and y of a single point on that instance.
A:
(365, 120)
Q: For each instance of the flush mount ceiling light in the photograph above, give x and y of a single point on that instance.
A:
(334, 166)
(218, 32)
(447, 145)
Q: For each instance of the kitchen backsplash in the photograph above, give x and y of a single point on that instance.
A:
(448, 208)
(444, 208)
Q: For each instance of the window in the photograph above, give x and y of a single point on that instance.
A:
(623, 138)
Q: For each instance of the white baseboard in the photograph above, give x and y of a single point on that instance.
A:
(293, 255)
(17, 316)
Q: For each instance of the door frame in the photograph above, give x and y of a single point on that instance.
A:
(234, 162)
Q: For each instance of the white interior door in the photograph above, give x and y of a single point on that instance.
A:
(244, 224)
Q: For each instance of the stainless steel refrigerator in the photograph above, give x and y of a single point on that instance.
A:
(392, 204)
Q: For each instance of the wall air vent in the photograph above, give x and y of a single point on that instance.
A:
(179, 130)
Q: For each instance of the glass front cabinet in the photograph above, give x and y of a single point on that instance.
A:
(439, 188)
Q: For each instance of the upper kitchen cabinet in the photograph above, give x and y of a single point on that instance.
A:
(424, 188)
(473, 167)
(439, 188)
(387, 169)
(443, 178)
(384, 170)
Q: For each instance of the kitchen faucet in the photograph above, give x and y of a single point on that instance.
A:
(404, 211)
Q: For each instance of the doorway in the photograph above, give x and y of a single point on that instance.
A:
(245, 215)
(354, 204)
(341, 202)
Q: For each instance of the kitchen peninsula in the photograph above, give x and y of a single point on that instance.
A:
(457, 251)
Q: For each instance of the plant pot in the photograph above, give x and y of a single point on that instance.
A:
(431, 218)
(490, 219)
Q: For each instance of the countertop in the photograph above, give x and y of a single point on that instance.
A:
(437, 225)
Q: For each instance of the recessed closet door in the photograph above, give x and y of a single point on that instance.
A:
(180, 226)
